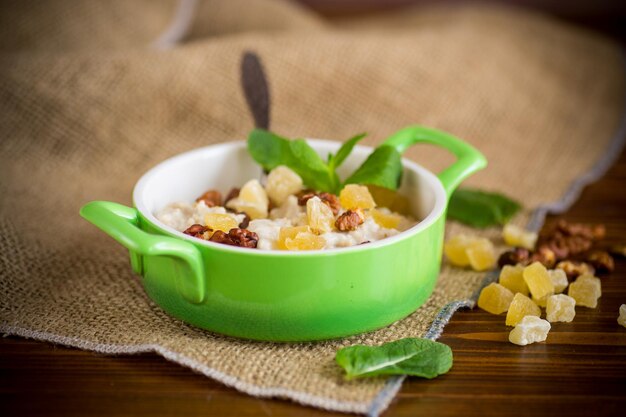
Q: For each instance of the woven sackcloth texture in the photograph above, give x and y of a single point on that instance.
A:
(92, 94)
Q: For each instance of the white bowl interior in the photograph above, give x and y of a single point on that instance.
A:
(224, 166)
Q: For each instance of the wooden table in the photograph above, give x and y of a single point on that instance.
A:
(580, 371)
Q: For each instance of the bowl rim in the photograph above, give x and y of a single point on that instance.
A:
(441, 201)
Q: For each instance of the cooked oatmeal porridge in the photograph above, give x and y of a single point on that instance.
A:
(282, 215)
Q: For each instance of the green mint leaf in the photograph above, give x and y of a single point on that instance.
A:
(346, 148)
(411, 356)
(311, 168)
(481, 209)
(383, 168)
(268, 149)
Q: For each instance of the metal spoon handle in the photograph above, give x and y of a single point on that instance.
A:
(255, 88)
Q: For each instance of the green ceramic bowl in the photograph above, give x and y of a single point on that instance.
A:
(281, 295)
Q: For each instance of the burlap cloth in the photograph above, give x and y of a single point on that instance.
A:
(92, 94)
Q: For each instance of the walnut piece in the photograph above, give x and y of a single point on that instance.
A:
(331, 200)
(233, 193)
(514, 257)
(573, 269)
(601, 261)
(211, 198)
(197, 230)
(236, 237)
(350, 220)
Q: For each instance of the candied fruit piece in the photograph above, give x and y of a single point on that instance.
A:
(218, 221)
(386, 220)
(586, 290)
(530, 330)
(281, 183)
(512, 277)
(305, 241)
(516, 236)
(495, 298)
(481, 254)
(541, 302)
(455, 249)
(393, 200)
(356, 196)
(289, 233)
(520, 307)
(560, 307)
(559, 280)
(538, 280)
(252, 200)
(622, 315)
(319, 216)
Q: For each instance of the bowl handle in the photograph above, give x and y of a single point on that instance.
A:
(469, 159)
(121, 223)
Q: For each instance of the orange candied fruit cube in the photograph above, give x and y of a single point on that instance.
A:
(495, 298)
(356, 196)
(481, 254)
(512, 277)
(520, 307)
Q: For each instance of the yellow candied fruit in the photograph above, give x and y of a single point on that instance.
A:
(305, 241)
(281, 183)
(560, 307)
(481, 254)
(586, 290)
(495, 298)
(538, 280)
(516, 236)
(541, 302)
(559, 280)
(289, 233)
(393, 200)
(520, 307)
(356, 196)
(319, 216)
(512, 277)
(621, 320)
(455, 249)
(530, 330)
(386, 220)
(252, 200)
(218, 221)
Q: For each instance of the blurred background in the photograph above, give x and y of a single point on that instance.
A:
(608, 16)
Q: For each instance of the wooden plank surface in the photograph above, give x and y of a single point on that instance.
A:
(580, 371)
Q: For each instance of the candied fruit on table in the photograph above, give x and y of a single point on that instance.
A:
(538, 280)
(356, 196)
(512, 277)
(529, 330)
(516, 236)
(622, 315)
(455, 249)
(560, 307)
(559, 280)
(281, 183)
(219, 221)
(481, 255)
(495, 298)
(586, 290)
(252, 200)
(520, 307)
(319, 216)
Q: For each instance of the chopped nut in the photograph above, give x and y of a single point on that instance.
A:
(567, 239)
(211, 198)
(331, 200)
(197, 230)
(574, 269)
(544, 255)
(233, 193)
(601, 261)
(246, 220)
(350, 220)
(236, 237)
(514, 257)
(243, 238)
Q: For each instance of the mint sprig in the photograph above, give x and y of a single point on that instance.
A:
(383, 167)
